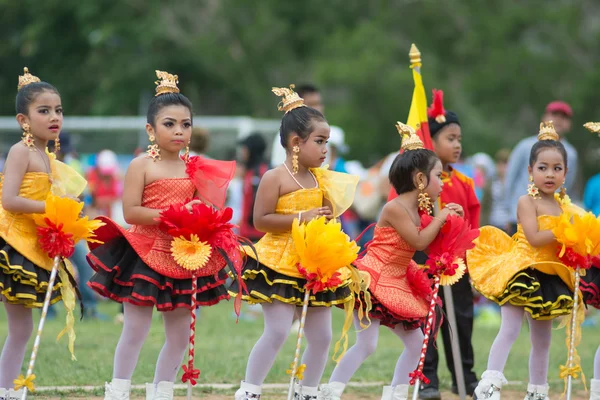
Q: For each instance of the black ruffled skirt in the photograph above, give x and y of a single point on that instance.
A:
(22, 282)
(541, 295)
(122, 276)
(265, 285)
(590, 286)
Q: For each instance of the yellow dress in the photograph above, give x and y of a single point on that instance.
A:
(510, 270)
(24, 267)
(272, 275)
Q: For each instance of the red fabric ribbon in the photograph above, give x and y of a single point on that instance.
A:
(190, 374)
(416, 374)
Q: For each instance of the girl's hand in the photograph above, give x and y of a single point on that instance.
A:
(189, 205)
(316, 213)
(456, 209)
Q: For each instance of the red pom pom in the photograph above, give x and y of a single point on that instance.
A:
(54, 241)
(315, 283)
(573, 259)
(437, 105)
(453, 241)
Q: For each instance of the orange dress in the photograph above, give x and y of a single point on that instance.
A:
(399, 288)
(136, 265)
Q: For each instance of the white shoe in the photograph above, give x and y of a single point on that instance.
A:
(387, 393)
(248, 391)
(332, 391)
(400, 392)
(537, 392)
(10, 394)
(117, 389)
(595, 389)
(490, 385)
(305, 392)
(150, 389)
(164, 391)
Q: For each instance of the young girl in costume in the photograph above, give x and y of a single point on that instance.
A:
(135, 267)
(398, 287)
(523, 274)
(296, 189)
(30, 174)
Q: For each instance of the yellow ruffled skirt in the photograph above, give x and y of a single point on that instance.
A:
(509, 270)
(22, 282)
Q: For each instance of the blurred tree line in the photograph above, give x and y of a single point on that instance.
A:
(498, 61)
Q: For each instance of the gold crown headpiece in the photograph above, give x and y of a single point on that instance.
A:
(26, 79)
(290, 99)
(166, 83)
(593, 127)
(410, 140)
(547, 131)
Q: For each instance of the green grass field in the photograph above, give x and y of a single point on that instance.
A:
(222, 348)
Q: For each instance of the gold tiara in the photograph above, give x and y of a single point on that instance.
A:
(290, 99)
(593, 127)
(26, 79)
(166, 83)
(547, 131)
(410, 140)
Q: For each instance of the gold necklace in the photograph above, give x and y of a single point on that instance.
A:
(46, 164)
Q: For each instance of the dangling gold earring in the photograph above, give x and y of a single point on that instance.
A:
(424, 200)
(27, 137)
(186, 155)
(153, 151)
(295, 150)
(533, 190)
(56, 145)
(562, 193)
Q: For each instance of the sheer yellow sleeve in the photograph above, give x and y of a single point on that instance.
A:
(339, 188)
(66, 181)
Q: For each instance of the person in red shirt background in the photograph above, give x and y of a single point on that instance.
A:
(105, 183)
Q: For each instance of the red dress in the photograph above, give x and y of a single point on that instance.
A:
(136, 265)
(399, 288)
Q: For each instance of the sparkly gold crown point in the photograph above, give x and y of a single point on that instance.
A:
(410, 140)
(593, 127)
(26, 79)
(414, 54)
(547, 131)
(290, 99)
(166, 83)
